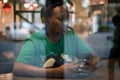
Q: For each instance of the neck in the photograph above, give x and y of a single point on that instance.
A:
(53, 37)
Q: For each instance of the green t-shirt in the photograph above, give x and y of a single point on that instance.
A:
(34, 50)
(54, 48)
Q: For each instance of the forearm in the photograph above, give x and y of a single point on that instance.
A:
(54, 73)
(21, 69)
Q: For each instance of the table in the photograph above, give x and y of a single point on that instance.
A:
(89, 78)
(100, 74)
(26, 78)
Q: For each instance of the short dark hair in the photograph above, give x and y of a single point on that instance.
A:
(52, 2)
(49, 9)
(50, 5)
(46, 11)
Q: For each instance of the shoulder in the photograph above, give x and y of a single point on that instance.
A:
(38, 35)
(36, 39)
(70, 32)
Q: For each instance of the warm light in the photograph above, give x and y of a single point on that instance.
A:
(26, 5)
(102, 2)
(35, 5)
(6, 8)
(97, 12)
(31, 8)
(5, 1)
(95, 2)
(1, 3)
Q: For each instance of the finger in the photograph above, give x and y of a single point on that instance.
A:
(76, 68)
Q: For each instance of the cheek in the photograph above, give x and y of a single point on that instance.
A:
(56, 24)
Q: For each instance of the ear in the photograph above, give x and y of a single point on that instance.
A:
(42, 15)
(47, 21)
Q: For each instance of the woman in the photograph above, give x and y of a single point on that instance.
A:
(55, 39)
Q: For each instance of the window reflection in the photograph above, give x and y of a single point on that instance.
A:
(92, 23)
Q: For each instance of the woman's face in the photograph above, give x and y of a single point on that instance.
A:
(56, 21)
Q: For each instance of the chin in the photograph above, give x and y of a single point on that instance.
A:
(62, 33)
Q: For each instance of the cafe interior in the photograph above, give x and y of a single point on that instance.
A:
(90, 19)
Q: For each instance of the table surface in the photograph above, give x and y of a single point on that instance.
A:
(23, 78)
(99, 74)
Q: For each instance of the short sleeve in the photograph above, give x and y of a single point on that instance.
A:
(74, 46)
(27, 53)
(82, 49)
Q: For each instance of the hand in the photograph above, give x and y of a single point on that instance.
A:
(70, 70)
(86, 65)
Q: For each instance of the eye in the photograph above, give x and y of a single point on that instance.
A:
(61, 19)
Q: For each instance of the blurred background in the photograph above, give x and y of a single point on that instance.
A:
(90, 19)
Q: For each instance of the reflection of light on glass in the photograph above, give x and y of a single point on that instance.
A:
(102, 2)
(95, 24)
(42, 2)
(31, 8)
(95, 2)
(35, 5)
(85, 3)
(97, 12)
(26, 5)
(68, 5)
(5, 1)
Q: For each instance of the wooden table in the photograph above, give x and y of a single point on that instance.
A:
(26, 78)
(100, 74)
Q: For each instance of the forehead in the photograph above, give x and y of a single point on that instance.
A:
(59, 10)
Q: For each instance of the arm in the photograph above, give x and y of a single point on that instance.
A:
(21, 69)
(24, 65)
(64, 71)
(85, 52)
